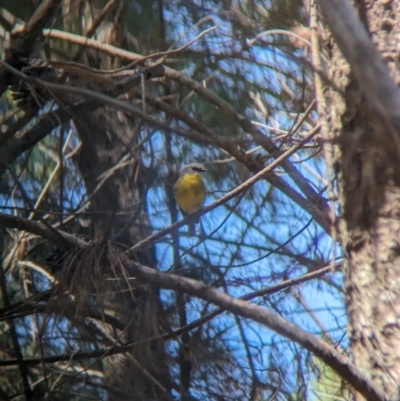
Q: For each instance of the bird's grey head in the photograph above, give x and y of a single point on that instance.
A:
(193, 168)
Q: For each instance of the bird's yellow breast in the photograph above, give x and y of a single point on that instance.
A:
(190, 192)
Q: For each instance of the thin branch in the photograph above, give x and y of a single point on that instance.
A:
(34, 227)
(250, 42)
(99, 18)
(50, 180)
(94, 44)
(38, 20)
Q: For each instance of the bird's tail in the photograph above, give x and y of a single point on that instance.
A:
(192, 227)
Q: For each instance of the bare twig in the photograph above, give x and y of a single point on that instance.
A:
(50, 180)
(94, 44)
(270, 32)
(34, 227)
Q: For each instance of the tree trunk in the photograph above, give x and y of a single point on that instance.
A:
(120, 217)
(369, 186)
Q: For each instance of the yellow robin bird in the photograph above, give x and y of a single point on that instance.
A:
(190, 191)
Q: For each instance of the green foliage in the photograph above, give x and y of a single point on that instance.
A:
(328, 385)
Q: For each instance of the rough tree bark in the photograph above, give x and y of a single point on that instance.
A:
(369, 186)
